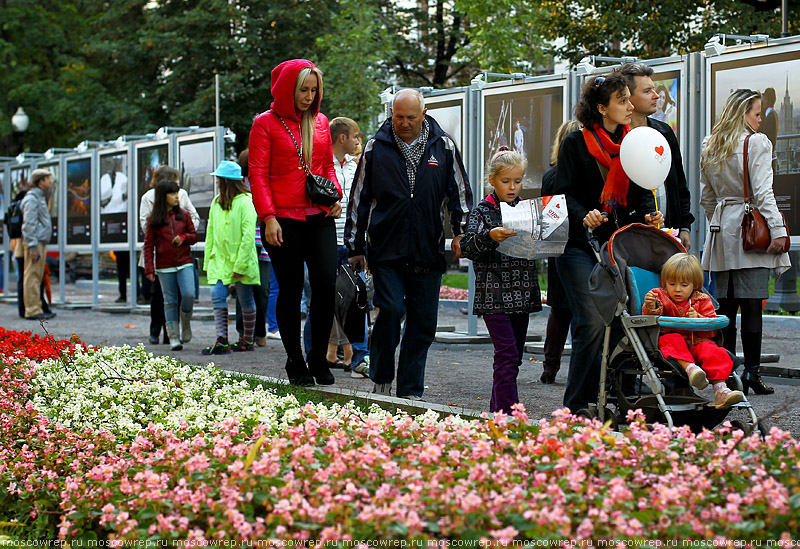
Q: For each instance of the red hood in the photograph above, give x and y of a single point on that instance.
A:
(284, 77)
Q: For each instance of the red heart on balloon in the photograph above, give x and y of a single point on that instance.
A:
(660, 150)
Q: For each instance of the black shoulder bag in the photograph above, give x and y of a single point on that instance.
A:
(320, 190)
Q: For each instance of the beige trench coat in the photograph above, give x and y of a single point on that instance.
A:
(722, 197)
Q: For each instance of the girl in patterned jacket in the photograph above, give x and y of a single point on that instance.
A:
(506, 288)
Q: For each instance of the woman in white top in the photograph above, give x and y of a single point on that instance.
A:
(741, 278)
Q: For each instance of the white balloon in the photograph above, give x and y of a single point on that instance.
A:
(646, 157)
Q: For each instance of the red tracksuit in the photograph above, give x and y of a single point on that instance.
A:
(696, 347)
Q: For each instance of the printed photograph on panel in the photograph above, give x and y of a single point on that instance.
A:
(448, 114)
(196, 162)
(19, 180)
(79, 201)
(147, 160)
(53, 201)
(524, 121)
(668, 90)
(777, 78)
(114, 183)
(114, 197)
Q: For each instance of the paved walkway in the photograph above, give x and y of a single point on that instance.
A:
(458, 375)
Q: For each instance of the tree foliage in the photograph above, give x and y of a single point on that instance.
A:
(650, 29)
(97, 69)
(352, 56)
(505, 35)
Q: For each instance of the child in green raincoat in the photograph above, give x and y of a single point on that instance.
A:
(230, 257)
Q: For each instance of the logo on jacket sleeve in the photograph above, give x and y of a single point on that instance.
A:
(432, 161)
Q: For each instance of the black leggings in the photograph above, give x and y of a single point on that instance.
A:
(313, 242)
(751, 323)
(751, 312)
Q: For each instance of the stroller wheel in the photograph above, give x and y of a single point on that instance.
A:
(586, 413)
(592, 413)
(748, 428)
(742, 426)
(611, 419)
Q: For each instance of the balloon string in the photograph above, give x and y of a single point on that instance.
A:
(655, 198)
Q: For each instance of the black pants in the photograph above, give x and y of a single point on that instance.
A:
(123, 272)
(21, 291)
(157, 319)
(147, 286)
(313, 242)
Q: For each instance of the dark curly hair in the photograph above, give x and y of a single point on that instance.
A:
(597, 91)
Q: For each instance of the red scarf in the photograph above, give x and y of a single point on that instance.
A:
(606, 152)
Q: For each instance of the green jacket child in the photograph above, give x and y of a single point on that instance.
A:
(229, 242)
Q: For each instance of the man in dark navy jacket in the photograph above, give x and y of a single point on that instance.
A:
(676, 206)
(408, 173)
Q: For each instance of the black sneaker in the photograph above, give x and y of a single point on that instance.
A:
(217, 349)
(41, 316)
(242, 346)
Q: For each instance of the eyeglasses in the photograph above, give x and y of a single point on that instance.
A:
(599, 81)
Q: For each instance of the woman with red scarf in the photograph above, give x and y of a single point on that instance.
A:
(600, 197)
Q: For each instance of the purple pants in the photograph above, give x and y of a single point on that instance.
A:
(508, 337)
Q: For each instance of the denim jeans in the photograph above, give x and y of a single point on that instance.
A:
(272, 320)
(184, 278)
(399, 293)
(219, 296)
(583, 380)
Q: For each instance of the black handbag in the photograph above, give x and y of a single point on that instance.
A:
(352, 304)
(321, 190)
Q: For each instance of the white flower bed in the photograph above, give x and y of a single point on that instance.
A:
(123, 389)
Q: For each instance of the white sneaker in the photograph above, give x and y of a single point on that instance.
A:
(274, 335)
(382, 389)
(360, 371)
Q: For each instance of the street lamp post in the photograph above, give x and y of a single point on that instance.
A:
(19, 122)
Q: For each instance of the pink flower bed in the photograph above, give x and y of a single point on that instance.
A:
(350, 476)
(446, 292)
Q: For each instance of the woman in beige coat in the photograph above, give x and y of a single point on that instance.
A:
(741, 278)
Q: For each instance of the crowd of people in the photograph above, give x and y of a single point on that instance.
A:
(271, 227)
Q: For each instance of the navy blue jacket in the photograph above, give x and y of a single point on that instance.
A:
(386, 222)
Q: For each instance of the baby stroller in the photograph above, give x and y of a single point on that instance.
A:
(636, 374)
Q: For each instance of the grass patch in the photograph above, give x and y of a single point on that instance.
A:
(306, 394)
(460, 281)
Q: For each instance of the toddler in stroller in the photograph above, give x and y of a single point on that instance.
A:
(696, 352)
(634, 371)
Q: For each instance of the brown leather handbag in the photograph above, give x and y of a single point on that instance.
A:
(755, 231)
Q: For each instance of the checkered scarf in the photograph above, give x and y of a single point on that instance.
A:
(413, 154)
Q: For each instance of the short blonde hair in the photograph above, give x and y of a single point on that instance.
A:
(682, 267)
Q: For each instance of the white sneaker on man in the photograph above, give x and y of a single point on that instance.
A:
(274, 335)
(384, 389)
(361, 370)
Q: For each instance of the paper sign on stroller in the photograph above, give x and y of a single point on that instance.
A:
(541, 224)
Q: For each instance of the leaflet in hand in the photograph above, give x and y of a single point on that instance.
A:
(541, 224)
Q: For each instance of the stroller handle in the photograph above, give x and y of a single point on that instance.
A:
(595, 245)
